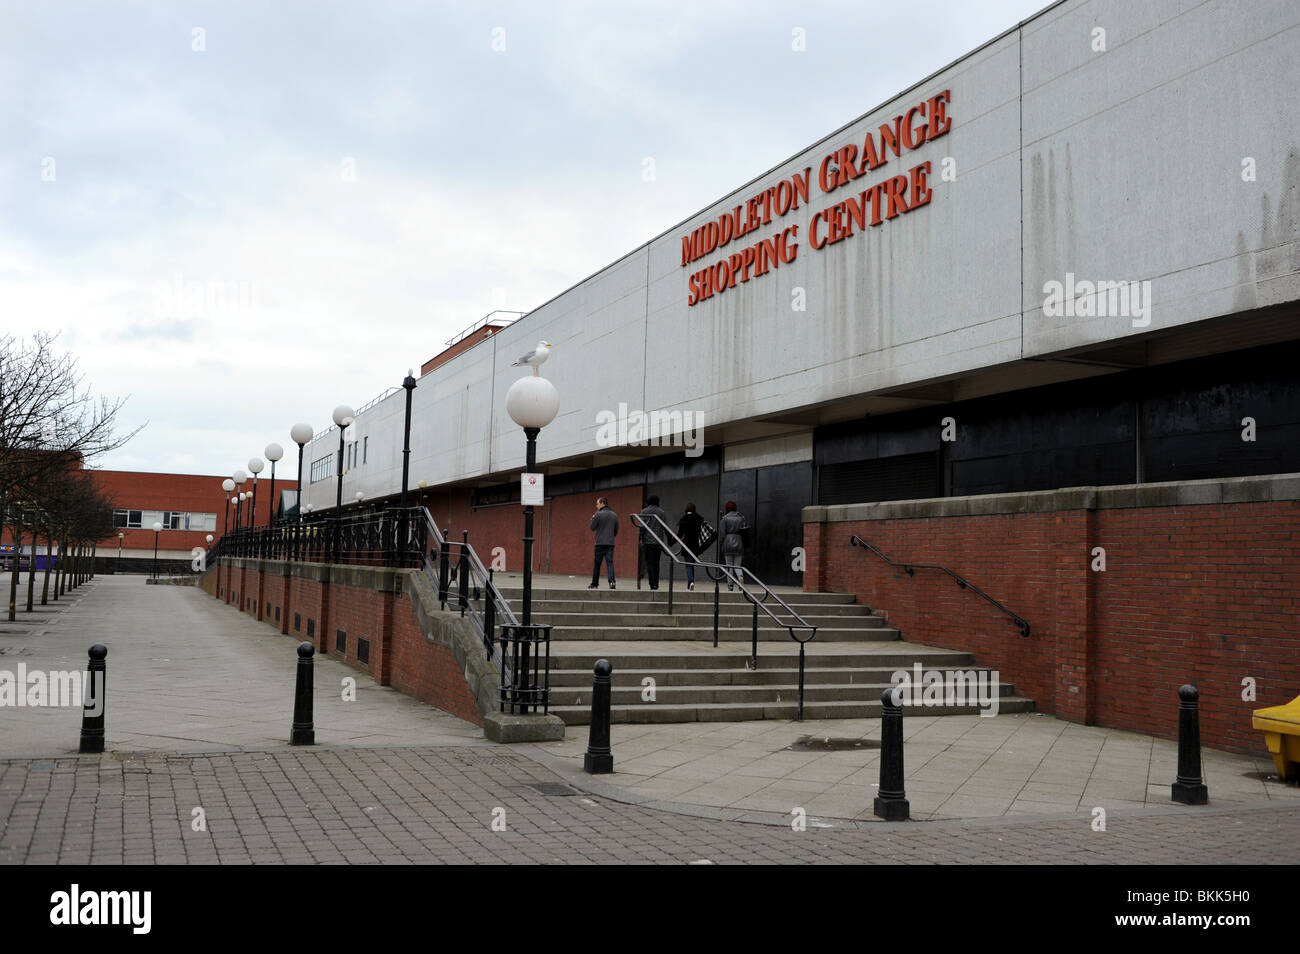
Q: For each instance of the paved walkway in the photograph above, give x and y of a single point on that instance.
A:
(955, 767)
(398, 805)
(186, 673)
(200, 701)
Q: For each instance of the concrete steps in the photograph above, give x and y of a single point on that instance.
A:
(850, 662)
(747, 711)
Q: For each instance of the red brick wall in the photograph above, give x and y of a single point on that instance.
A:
(566, 520)
(1199, 594)
(360, 614)
(273, 594)
(426, 670)
(400, 655)
(305, 600)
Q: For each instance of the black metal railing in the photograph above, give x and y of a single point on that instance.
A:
(737, 576)
(401, 537)
(461, 579)
(391, 537)
(526, 655)
(962, 583)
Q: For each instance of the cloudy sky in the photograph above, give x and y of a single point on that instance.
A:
(240, 214)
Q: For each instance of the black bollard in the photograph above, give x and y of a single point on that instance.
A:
(92, 713)
(1189, 789)
(599, 758)
(304, 733)
(891, 803)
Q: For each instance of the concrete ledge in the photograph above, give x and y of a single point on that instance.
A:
(503, 727)
(1179, 493)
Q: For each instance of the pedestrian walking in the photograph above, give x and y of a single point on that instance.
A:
(651, 516)
(604, 522)
(735, 531)
(688, 531)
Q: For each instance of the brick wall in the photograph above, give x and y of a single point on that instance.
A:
(365, 604)
(427, 670)
(563, 543)
(1204, 594)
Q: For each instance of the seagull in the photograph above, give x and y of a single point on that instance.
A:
(535, 358)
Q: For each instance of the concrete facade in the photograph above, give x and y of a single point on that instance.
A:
(1074, 156)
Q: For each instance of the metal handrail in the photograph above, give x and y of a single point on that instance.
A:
(439, 567)
(734, 575)
(962, 583)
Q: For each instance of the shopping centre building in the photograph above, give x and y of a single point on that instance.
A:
(1070, 259)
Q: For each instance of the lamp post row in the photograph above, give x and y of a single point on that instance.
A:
(532, 403)
(344, 416)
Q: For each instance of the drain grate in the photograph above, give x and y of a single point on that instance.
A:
(821, 743)
(553, 789)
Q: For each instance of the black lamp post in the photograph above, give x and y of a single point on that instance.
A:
(273, 453)
(255, 466)
(409, 384)
(239, 478)
(156, 527)
(120, 535)
(532, 403)
(343, 418)
(301, 434)
(227, 485)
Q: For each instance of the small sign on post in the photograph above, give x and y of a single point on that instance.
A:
(532, 490)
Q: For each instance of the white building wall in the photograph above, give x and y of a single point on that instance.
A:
(1122, 164)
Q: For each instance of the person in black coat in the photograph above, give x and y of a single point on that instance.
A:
(648, 544)
(688, 529)
(604, 523)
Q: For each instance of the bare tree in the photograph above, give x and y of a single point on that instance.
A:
(50, 424)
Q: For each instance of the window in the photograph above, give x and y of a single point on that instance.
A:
(322, 468)
(170, 520)
(365, 449)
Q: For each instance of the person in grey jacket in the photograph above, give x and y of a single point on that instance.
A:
(648, 544)
(733, 529)
(605, 524)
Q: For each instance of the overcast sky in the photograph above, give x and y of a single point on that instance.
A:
(240, 214)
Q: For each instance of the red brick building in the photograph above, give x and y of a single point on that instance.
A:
(189, 507)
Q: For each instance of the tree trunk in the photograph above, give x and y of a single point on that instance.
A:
(49, 555)
(31, 570)
(13, 581)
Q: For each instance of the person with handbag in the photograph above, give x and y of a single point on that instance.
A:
(735, 531)
(689, 529)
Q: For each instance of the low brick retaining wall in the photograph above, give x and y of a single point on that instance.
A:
(382, 621)
(1201, 584)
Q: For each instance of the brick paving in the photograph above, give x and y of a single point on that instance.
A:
(199, 706)
(397, 805)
